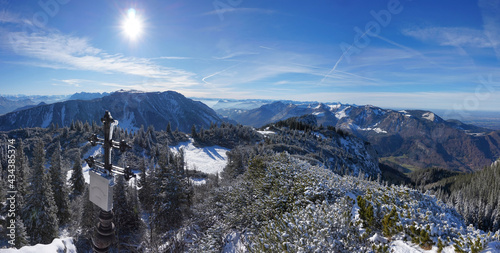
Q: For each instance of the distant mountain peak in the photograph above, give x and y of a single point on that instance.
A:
(131, 108)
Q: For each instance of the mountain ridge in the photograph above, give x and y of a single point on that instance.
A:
(131, 109)
(414, 138)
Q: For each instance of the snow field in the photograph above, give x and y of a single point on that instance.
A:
(210, 160)
(57, 245)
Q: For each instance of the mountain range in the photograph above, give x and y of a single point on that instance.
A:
(406, 139)
(131, 109)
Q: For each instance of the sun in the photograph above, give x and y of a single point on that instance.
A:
(132, 25)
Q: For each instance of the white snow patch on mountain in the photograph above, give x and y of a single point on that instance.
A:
(128, 122)
(405, 113)
(341, 114)
(63, 114)
(207, 159)
(429, 116)
(376, 129)
(48, 117)
(319, 114)
(334, 107)
(57, 245)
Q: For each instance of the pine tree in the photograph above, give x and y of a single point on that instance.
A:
(77, 181)
(169, 128)
(194, 135)
(41, 210)
(22, 175)
(172, 193)
(145, 187)
(22, 238)
(59, 186)
(126, 211)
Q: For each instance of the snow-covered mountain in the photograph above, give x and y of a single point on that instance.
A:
(8, 105)
(414, 138)
(87, 95)
(132, 109)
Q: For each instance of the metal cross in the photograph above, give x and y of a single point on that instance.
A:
(102, 174)
(108, 144)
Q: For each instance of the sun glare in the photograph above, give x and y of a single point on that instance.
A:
(132, 25)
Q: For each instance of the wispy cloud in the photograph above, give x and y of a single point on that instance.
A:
(235, 54)
(491, 21)
(452, 36)
(239, 10)
(70, 82)
(9, 17)
(172, 58)
(57, 50)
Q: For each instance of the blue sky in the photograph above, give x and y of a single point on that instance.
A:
(397, 54)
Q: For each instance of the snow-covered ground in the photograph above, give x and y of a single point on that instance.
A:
(208, 159)
(266, 132)
(57, 245)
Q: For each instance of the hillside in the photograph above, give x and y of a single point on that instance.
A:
(131, 109)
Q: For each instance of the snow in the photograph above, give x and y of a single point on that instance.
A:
(57, 245)
(320, 135)
(48, 117)
(94, 151)
(429, 116)
(209, 160)
(341, 114)
(376, 129)
(128, 121)
(377, 238)
(63, 115)
(319, 114)
(492, 247)
(334, 107)
(234, 242)
(399, 246)
(405, 113)
(266, 132)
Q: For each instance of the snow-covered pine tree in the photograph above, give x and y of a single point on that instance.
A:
(172, 192)
(59, 186)
(145, 192)
(126, 212)
(22, 238)
(41, 210)
(22, 176)
(77, 181)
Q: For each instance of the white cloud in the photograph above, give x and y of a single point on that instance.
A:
(70, 82)
(9, 17)
(452, 36)
(64, 51)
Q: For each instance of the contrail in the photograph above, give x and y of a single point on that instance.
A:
(340, 59)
